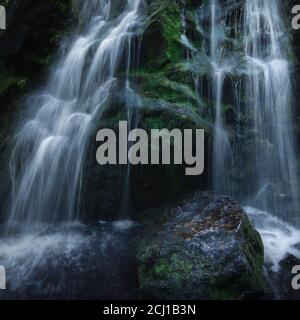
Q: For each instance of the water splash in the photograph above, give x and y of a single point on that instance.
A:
(280, 238)
(69, 261)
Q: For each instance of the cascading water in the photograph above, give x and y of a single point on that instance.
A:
(47, 161)
(133, 103)
(269, 89)
(46, 170)
(222, 153)
(268, 85)
(266, 81)
(270, 180)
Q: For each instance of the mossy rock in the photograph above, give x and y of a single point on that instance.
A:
(203, 248)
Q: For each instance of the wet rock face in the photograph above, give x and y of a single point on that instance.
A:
(27, 31)
(150, 185)
(205, 248)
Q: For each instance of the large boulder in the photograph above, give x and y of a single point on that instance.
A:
(205, 248)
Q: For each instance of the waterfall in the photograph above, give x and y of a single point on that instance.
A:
(133, 104)
(264, 172)
(213, 35)
(246, 69)
(47, 160)
(222, 153)
(274, 180)
(269, 179)
(269, 89)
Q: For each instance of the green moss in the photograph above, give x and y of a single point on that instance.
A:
(166, 75)
(172, 32)
(222, 294)
(154, 123)
(167, 16)
(157, 85)
(163, 268)
(176, 268)
(254, 251)
(8, 78)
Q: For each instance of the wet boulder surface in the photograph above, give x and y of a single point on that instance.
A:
(204, 248)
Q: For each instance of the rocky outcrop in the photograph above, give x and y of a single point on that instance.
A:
(205, 248)
(166, 90)
(150, 185)
(34, 30)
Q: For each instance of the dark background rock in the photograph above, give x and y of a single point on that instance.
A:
(150, 185)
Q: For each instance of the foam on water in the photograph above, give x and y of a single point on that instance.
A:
(69, 261)
(279, 237)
